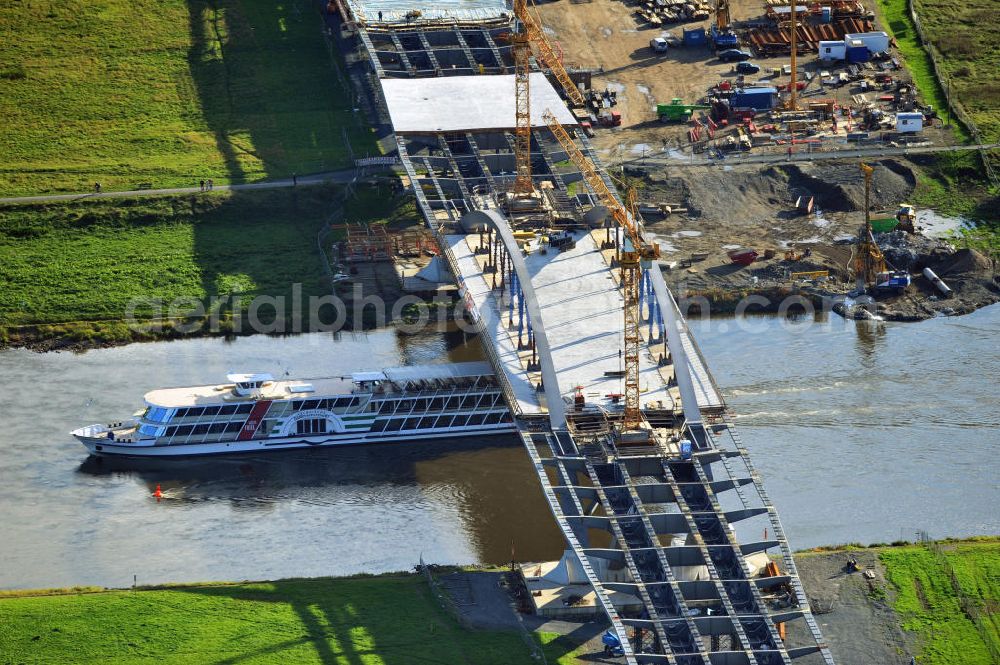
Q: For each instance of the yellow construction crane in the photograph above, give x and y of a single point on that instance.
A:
(794, 42)
(722, 15)
(635, 255)
(867, 260)
(532, 28)
(523, 185)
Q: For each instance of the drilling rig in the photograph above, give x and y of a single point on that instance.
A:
(867, 260)
(635, 256)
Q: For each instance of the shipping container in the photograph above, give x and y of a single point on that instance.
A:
(759, 99)
(875, 42)
(695, 37)
(832, 50)
(909, 122)
(826, 15)
(857, 51)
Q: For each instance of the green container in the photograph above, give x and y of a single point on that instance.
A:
(884, 225)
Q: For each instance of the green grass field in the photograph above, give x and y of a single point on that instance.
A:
(387, 620)
(928, 601)
(898, 24)
(170, 92)
(66, 262)
(963, 35)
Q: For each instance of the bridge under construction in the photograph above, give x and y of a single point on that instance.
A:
(673, 529)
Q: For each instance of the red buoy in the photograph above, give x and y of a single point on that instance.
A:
(158, 493)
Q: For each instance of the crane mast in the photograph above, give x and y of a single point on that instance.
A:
(635, 256)
(523, 184)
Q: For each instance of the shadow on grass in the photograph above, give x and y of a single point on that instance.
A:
(266, 91)
(392, 620)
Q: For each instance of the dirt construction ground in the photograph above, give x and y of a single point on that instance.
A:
(604, 35)
(730, 205)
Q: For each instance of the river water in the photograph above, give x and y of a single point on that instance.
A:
(862, 433)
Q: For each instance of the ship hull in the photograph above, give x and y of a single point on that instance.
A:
(103, 447)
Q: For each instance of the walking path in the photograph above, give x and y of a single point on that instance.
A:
(801, 154)
(345, 176)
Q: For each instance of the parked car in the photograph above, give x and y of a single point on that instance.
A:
(672, 40)
(658, 44)
(747, 67)
(734, 55)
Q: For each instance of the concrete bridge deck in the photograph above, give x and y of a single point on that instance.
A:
(692, 535)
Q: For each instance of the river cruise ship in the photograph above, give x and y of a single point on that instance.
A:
(255, 412)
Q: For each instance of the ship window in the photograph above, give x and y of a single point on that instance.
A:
(194, 412)
(393, 424)
(181, 413)
(461, 420)
(157, 414)
(212, 410)
(445, 421)
(341, 402)
(385, 407)
(227, 410)
(200, 429)
(477, 419)
(411, 423)
(378, 426)
(232, 428)
(244, 408)
(492, 419)
(149, 430)
(506, 418)
(184, 430)
(311, 426)
(311, 404)
(171, 431)
(217, 428)
(436, 404)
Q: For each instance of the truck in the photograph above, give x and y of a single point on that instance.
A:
(724, 38)
(677, 110)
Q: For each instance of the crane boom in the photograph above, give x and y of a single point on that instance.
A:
(634, 256)
(546, 54)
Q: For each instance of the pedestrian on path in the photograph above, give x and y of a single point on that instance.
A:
(211, 184)
(380, 17)
(203, 185)
(295, 180)
(97, 187)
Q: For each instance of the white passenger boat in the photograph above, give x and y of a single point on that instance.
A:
(254, 412)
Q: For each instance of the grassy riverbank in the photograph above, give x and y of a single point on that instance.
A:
(168, 92)
(949, 596)
(385, 620)
(939, 602)
(71, 270)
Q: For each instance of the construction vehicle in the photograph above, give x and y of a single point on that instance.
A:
(609, 118)
(634, 255)
(677, 110)
(867, 260)
(721, 34)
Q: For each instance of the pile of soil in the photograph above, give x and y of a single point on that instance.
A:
(963, 261)
(748, 194)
